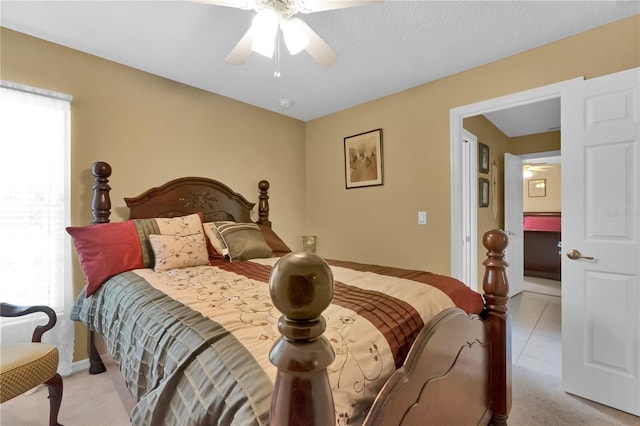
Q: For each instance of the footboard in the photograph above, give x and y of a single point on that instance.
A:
(458, 370)
(444, 379)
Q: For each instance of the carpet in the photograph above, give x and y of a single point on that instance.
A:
(92, 401)
(539, 400)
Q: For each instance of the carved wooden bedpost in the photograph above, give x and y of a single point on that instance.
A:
(496, 293)
(100, 210)
(263, 206)
(101, 202)
(301, 287)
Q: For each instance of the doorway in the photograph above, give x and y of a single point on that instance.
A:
(532, 215)
(462, 265)
(610, 340)
(542, 212)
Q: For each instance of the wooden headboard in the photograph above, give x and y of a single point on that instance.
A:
(180, 197)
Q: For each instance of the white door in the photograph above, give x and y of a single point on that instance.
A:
(514, 253)
(601, 219)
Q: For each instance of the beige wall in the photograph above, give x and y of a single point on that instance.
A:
(540, 142)
(552, 200)
(379, 224)
(152, 130)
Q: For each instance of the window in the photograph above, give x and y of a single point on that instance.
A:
(34, 195)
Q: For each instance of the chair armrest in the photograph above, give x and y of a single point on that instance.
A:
(9, 310)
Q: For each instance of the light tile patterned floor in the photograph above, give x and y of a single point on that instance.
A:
(536, 332)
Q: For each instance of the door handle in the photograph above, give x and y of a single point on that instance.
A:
(575, 254)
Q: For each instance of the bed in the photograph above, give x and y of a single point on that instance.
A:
(542, 245)
(280, 337)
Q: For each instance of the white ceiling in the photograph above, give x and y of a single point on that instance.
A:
(382, 48)
(538, 117)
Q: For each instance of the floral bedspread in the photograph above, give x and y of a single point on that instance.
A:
(200, 338)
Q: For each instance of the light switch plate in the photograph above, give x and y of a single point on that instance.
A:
(422, 218)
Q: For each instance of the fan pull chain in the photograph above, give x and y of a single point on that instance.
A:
(276, 72)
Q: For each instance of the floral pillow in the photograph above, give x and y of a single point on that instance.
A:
(178, 251)
(181, 225)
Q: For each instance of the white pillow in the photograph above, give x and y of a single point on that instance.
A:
(178, 251)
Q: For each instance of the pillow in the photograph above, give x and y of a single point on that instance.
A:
(181, 225)
(218, 247)
(105, 250)
(277, 245)
(146, 227)
(178, 251)
(243, 240)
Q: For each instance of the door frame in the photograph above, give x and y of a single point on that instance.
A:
(460, 265)
(469, 251)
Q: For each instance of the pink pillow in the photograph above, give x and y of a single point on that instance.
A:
(105, 250)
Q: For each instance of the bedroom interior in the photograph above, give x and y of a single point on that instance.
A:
(138, 122)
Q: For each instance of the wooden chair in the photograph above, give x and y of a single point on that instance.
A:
(24, 366)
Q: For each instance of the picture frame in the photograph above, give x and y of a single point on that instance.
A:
(483, 158)
(537, 187)
(363, 159)
(483, 192)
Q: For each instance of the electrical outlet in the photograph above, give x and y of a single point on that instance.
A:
(422, 218)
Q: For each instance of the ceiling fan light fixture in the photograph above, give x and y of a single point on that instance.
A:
(265, 24)
(294, 34)
(273, 15)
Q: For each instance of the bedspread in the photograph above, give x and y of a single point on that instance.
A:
(193, 343)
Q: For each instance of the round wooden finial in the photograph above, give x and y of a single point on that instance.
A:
(263, 185)
(100, 169)
(301, 286)
(495, 240)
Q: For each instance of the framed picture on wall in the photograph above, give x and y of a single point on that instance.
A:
(483, 158)
(363, 159)
(483, 192)
(537, 187)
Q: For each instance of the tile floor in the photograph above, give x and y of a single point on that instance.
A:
(536, 332)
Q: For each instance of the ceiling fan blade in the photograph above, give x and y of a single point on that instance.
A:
(242, 50)
(321, 5)
(317, 48)
(239, 4)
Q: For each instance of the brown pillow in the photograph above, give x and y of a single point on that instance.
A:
(277, 245)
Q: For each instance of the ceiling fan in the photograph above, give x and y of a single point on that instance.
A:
(530, 169)
(275, 15)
